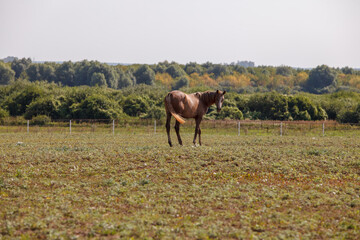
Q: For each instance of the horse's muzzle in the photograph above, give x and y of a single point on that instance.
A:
(218, 110)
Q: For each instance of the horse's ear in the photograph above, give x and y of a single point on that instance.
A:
(217, 91)
(224, 92)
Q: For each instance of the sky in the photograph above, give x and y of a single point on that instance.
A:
(297, 33)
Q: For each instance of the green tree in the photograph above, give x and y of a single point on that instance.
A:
(65, 74)
(229, 113)
(81, 73)
(3, 114)
(98, 79)
(97, 106)
(284, 71)
(109, 72)
(20, 65)
(175, 71)
(47, 105)
(182, 82)
(320, 78)
(193, 67)
(272, 106)
(126, 79)
(135, 106)
(6, 73)
(18, 101)
(154, 112)
(219, 70)
(144, 75)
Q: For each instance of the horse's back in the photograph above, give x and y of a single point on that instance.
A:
(184, 104)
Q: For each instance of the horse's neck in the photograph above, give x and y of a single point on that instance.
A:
(209, 98)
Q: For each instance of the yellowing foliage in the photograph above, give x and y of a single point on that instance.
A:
(165, 79)
(301, 78)
(235, 80)
(197, 80)
(354, 81)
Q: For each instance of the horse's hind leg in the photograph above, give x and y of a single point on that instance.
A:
(177, 129)
(199, 132)
(168, 118)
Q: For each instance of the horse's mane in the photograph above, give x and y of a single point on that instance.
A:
(207, 97)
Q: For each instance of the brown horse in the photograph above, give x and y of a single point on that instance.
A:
(195, 105)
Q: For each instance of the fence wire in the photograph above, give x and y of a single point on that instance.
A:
(235, 127)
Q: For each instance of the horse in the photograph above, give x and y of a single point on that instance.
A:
(181, 105)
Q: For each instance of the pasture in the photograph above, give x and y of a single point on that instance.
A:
(54, 185)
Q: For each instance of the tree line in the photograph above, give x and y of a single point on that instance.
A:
(171, 75)
(43, 100)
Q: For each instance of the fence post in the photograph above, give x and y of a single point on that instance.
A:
(27, 126)
(238, 128)
(323, 129)
(113, 127)
(70, 126)
(281, 131)
(155, 127)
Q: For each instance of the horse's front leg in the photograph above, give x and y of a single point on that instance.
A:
(168, 118)
(197, 131)
(177, 129)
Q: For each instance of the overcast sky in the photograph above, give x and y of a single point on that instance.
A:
(298, 33)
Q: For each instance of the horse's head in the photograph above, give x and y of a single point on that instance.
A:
(219, 99)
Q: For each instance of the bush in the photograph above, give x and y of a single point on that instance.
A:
(228, 113)
(154, 112)
(40, 120)
(351, 116)
(43, 106)
(135, 106)
(3, 113)
(96, 106)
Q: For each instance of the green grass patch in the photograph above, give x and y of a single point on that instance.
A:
(133, 185)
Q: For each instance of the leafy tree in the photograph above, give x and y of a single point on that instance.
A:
(155, 112)
(144, 75)
(81, 73)
(228, 113)
(109, 72)
(219, 70)
(97, 106)
(135, 106)
(193, 67)
(41, 71)
(284, 71)
(20, 65)
(6, 73)
(33, 72)
(18, 101)
(47, 105)
(98, 79)
(65, 74)
(175, 71)
(126, 79)
(3, 113)
(321, 77)
(272, 106)
(347, 70)
(182, 82)
(239, 69)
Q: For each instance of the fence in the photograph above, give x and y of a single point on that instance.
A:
(234, 127)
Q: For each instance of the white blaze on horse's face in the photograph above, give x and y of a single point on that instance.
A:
(219, 99)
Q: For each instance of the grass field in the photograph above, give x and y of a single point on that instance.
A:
(133, 185)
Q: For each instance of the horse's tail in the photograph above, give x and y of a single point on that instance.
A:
(170, 108)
